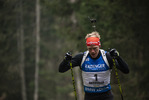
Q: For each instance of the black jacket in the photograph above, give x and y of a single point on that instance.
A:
(76, 61)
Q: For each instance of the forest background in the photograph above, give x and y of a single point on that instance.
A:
(35, 35)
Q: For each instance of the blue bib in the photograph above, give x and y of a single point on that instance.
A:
(96, 74)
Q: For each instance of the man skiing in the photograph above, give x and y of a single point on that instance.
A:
(96, 65)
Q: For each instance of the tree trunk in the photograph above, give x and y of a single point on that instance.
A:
(79, 84)
(79, 90)
(21, 50)
(37, 51)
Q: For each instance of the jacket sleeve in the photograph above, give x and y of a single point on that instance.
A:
(120, 63)
(64, 66)
(76, 61)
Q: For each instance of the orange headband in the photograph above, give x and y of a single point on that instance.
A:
(93, 41)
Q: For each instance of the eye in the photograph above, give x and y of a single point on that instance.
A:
(90, 48)
(95, 48)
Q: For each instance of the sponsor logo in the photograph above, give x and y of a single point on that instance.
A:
(96, 82)
(100, 89)
(95, 66)
(87, 59)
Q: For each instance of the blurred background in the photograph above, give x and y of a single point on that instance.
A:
(35, 35)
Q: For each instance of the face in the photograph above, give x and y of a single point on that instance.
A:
(93, 50)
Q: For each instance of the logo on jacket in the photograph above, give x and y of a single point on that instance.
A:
(95, 67)
(87, 59)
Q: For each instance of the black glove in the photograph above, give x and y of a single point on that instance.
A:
(68, 56)
(114, 53)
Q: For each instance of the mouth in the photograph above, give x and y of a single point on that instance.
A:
(93, 55)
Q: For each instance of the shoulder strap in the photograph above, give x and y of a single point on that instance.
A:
(84, 57)
(103, 53)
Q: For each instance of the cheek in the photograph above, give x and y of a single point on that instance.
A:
(97, 50)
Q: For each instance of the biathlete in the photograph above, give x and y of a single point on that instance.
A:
(96, 65)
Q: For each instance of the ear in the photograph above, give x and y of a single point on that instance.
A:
(100, 44)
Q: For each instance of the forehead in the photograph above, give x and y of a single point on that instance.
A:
(92, 46)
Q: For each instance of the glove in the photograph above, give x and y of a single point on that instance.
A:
(114, 53)
(68, 56)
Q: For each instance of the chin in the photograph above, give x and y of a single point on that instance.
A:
(93, 56)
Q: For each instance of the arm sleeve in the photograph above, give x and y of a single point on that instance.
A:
(76, 61)
(120, 63)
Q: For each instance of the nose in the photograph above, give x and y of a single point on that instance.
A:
(92, 50)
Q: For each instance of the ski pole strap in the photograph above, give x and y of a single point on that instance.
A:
(73, 81)
(118, 80)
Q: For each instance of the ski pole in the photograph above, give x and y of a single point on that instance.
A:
(73, 81)
(116, 73)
